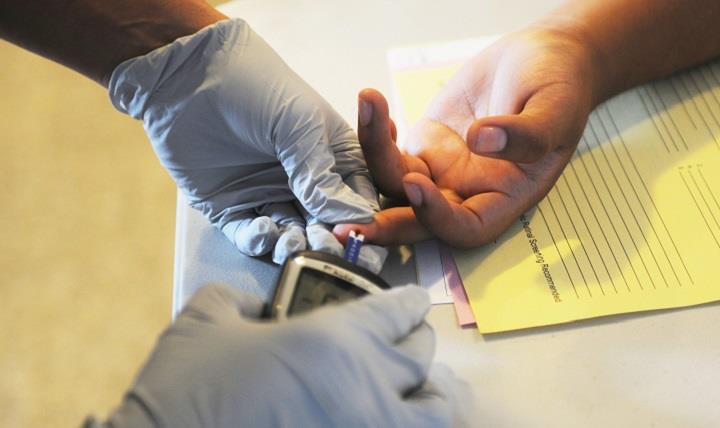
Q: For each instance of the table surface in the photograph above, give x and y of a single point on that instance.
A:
(660, 368)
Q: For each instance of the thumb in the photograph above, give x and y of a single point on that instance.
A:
(550, 120)
(220, 303)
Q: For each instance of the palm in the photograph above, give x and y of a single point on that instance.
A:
(454, 168)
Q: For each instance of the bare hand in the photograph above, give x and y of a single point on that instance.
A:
(522, 105)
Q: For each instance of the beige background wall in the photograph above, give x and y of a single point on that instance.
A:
(87, 223)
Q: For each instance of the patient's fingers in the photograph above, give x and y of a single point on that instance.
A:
(391, 226)
(377, 134)
(473, 222)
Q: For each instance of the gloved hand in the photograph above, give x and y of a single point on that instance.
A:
(362, 363)
(250, 144)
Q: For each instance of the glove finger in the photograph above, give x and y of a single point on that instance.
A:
(292, 229)
(320, 238)
(413, 358)
(390, 315)
(292, 239)
(219, 303)
(420, 344)
(252, 235)
(427, 408)
(309, 161)
(442, 401)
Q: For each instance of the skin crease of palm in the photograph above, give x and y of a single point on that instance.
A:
(535, 85)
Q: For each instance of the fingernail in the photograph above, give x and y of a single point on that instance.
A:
(413, 193)
(366, 113)
(490, 139)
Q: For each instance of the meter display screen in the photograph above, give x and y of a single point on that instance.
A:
(316, 289)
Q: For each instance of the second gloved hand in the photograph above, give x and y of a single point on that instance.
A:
(250, 144)
(360, 364)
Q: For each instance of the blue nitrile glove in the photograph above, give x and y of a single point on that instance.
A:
(359, 364)
(251, 145)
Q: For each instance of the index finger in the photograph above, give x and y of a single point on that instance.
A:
(218, 303)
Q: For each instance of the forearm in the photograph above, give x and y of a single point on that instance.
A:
(92, 37)
(634, 41)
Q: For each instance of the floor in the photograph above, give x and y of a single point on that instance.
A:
(87, 224)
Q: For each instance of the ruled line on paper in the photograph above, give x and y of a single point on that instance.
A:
(559, 253)
(707, 186)
(638, 195)
(654, 117)
(610, 187)
(681, 100)
(706, 95)
(700, 113)
(699, 197)
(632, 203)
(602, 229)
(664, 116)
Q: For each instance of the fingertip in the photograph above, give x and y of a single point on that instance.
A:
(365, 112)
(413, 193)
(374, 113)
(486, 139)
(419, 189)
(377, 134)
(441, 213)
(253, 237)
(341, 231)
(321, 239)
(514, 138)
(292, 240)
(373, 96)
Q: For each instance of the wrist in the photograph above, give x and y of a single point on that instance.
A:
(589, 61)
(156, 25)
(93, 37)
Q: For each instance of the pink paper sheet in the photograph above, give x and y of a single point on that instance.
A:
(452, 277)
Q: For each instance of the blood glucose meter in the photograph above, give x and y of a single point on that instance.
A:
(311, 279)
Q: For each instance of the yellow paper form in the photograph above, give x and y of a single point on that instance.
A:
(633, 223)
